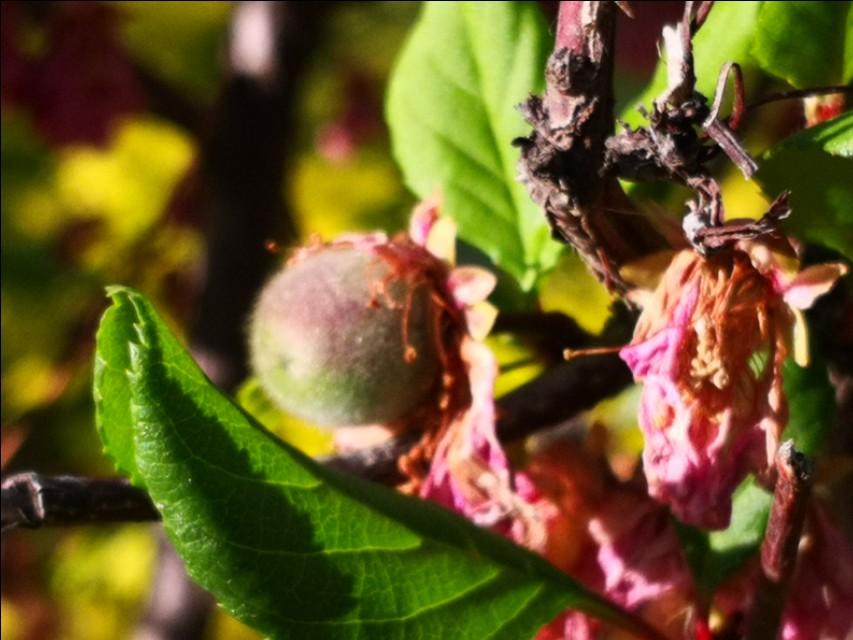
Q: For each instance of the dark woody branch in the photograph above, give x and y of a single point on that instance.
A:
(571, 161)
(32, 500)
(562, 159)
(779, 548)
(683, 134)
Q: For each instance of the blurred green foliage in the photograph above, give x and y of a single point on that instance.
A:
(817, 166)
(181, 42)
(807, 44)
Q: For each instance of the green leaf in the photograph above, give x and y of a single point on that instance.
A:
(805, 43)
(451, 110)
(816, 165)
(112, 387)
(731, 547)
(726, 36)
(716, 555)
(296, 550)
(811, 404)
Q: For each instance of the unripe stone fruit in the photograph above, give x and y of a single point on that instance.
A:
(345, 335)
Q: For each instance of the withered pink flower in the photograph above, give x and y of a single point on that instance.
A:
(709, 348)
(614, 540)
(470, 472)
(564, 505)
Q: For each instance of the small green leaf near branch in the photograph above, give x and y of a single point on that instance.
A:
(451, 110)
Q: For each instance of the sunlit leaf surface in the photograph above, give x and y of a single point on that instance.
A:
(298, 551)
(451, 110)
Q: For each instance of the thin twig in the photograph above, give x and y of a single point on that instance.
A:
(723, 132)
(32, 500)
(560, 394)
(779, 547)
(702, 14)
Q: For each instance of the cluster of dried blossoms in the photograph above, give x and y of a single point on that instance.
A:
(709, 349)
(564, 504)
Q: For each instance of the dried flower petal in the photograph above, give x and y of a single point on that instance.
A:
(480, 319)
(812, 283)
(423, 218)
(470, 471)
(470, 285)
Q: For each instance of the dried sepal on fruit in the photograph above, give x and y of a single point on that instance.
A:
(709, 348)
(469, 471)
(460, 440)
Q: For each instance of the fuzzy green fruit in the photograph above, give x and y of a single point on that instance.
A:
(343, 336)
